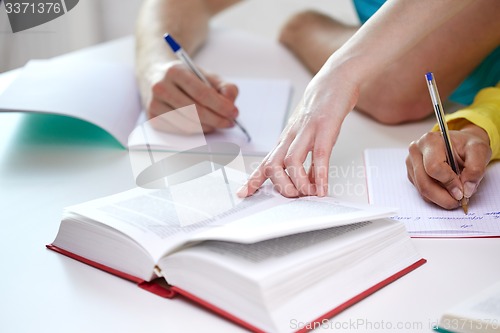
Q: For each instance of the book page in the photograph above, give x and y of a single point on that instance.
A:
(294, 216)
(207, 208)
(273, 279)
(277, 248)
(388, 185)
(479, 313)
(162, 219)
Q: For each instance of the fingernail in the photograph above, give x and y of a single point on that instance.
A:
(469, 188)
(321, 191)
(457, 193)
(242, 191)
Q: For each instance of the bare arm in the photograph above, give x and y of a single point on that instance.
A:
(391, 32)
(188, 21)
(397, 27)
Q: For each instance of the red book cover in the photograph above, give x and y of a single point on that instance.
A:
(157, 286)
(160, 288)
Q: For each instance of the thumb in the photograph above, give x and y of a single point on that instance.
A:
(476, 160)
(454, 185)
(470, 177)
(441, 172)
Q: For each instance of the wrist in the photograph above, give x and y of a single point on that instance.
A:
(338, 79)
(477, 131)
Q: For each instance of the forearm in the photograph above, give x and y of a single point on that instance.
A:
(395, 29)
(187, 20)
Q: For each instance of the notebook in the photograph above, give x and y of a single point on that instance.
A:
(106, 95)
(388, 185)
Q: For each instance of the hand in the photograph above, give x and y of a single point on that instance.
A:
(433, 177)
(175, 86)
(313, 128)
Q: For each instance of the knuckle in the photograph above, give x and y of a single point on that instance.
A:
(433, 168)
(320, 153)
(429, 136)
(154, 109)
(483, 148)
(413, 147)
(290, 160)
(258, 175)
(234, 89)
(450, 182)
(269, 168)
(158, 88)
(173, 70)
(475, 171)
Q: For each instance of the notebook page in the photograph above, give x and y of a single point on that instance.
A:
(101, 93)
(263, 107)
(388, 185)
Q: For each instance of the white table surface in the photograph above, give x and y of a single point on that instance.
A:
(41, 291)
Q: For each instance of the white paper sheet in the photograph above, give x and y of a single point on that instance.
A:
(388, 185)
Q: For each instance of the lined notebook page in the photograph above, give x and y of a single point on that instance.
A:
(388, 185)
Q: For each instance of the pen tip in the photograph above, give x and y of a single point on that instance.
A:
(243, 130)
(464, 203)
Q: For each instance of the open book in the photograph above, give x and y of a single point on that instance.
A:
(261, 262)
(106, 95)
(388, 185)
(480, 313)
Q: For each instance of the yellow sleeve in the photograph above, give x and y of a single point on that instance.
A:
(483, 112)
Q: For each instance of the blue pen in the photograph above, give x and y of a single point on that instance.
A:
(184, 57)
(443, 127)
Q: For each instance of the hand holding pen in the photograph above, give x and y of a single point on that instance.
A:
(173, 85)
(443, 127)
(445, 173)
(184, 57)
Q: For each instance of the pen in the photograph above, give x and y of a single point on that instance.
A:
(443, 127)
(184, 57)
